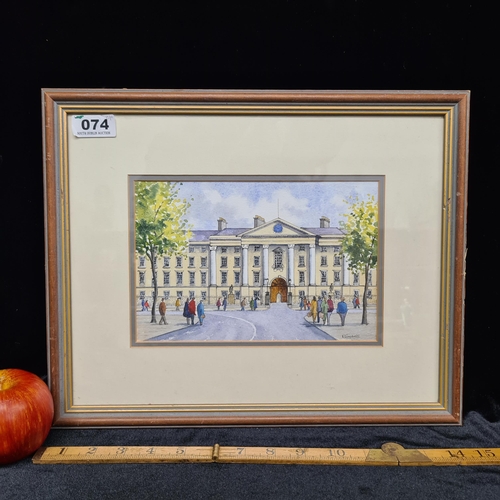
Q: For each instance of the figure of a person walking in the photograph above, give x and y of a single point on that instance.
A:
(314, 309)
(330, 308)
(342, 310)
(162, 309)
(201, 311)
(192, 310)
(185, 313)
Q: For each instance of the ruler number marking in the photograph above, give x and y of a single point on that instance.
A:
(338, 453)
(487, 453)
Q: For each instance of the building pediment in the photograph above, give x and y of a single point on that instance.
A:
(276, 227)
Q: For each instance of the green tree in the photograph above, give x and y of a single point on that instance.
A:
(161, 227)
(361, 241)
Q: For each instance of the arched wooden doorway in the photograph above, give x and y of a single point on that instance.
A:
(279, 290)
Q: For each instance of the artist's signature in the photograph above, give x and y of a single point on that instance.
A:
(347, 336)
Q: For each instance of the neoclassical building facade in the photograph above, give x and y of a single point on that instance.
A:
(275, 261)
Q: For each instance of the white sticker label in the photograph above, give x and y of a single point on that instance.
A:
(93, 125)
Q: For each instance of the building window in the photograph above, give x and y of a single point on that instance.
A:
(203, 262)
(324, 277)
(142, 261)
(256, 248)
(191, 249)
(323, 249)
(166, 261)
(256, 261)
(178, 261)
(191, 294)
(191, 261)
(203, 278)
(237, 249)
(166, 294)
(336, 277)
(356, 293)
(142, 294)
(302, 261)
(337, 294)
(256, 294)
(323, 261)
(236, 262)
(223, 279)
(369, 278)
(223, 262)
(256, 277)
(302, 293)
(336, 260)
(238, 295)
(203, 295)
(142, 277)
(324, 293)
(166, 278)
(369, 294)
(356, 280)
(191, 278)
(179, 294)
(154, 278)
(236, 277)
(224, 294)
(223, 249)
(302, 278)
(179, 278)
(336, 249)
(203, 249)
(302, 248)
(278, 259)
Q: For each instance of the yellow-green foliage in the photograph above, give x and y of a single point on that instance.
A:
(361, 240)
(161, 226)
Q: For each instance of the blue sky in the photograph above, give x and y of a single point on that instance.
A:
(301, 203)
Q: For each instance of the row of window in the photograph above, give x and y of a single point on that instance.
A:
(256, 248)
(278, 261)
(237, 275)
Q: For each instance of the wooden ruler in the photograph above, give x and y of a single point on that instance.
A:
(391, 454)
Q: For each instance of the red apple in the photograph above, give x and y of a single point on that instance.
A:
(26, 413)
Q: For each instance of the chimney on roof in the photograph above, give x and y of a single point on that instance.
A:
(324, 221)
(221, 224)
(258, 221)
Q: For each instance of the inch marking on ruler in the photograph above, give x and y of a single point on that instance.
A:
(123, 454)
(391, 454)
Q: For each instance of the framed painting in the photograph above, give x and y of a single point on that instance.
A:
(255, 257)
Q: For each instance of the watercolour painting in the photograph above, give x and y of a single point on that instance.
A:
(289, 260)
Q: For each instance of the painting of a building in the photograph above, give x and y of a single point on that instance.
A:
(274, 260)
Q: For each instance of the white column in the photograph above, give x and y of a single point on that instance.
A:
(345, 272)
(244, 267)
(291, 263)
(312, 264)
(265, 262)
(213, 266)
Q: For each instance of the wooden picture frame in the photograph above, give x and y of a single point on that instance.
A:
(401, 155)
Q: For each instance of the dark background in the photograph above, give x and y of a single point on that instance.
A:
(326, 45)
